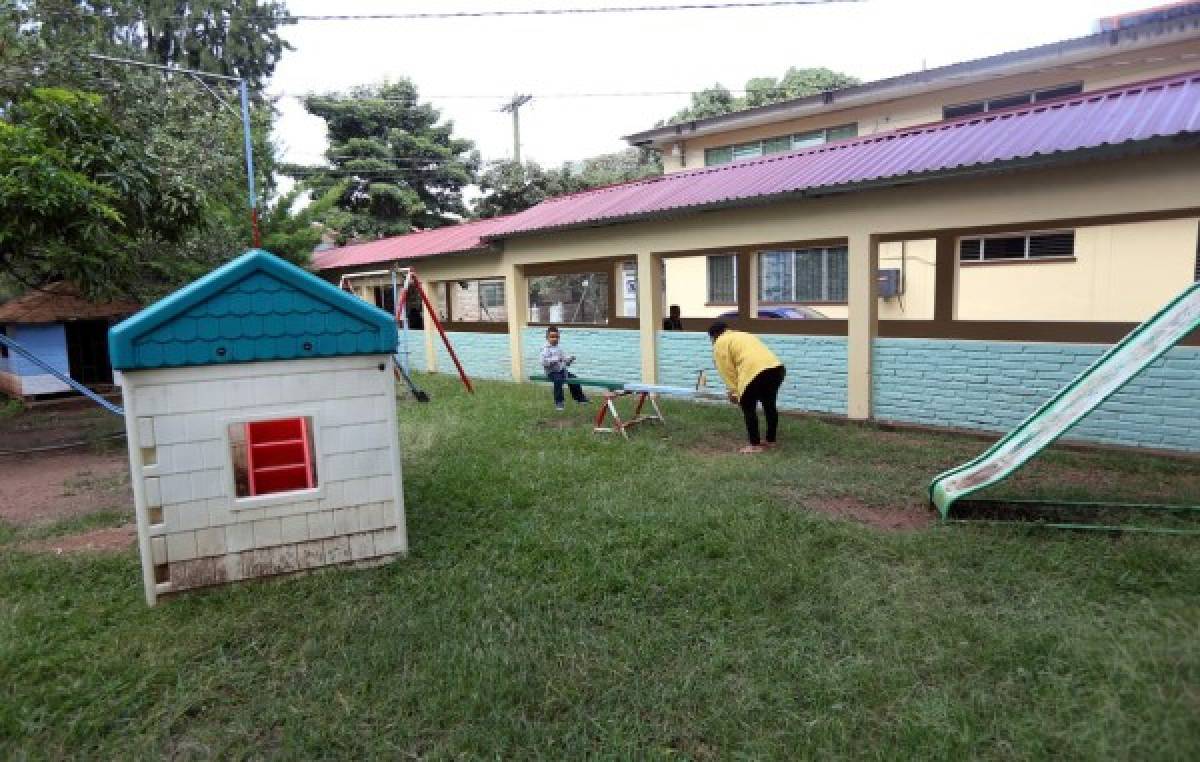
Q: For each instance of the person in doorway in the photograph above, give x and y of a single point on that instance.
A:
(753, 375)
(673, 322)
(555, 362)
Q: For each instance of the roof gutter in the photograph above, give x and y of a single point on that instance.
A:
(1107, 151)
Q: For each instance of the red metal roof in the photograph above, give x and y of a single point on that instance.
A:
(1051, 131)
(448, 240)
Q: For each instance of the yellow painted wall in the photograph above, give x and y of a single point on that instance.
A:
(687, 286)
(1108, 71)
(1121, 273)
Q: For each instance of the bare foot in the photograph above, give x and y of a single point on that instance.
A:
(751, 449)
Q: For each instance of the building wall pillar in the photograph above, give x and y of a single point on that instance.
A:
(862, 325)
(650, 311)
(516, 299)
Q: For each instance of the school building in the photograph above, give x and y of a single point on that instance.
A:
(943, 248)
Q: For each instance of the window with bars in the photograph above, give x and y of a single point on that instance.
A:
(384, 298)
(780, 144)
(1014, 99)
(722, 279)
(1056, 244)
(804, 275)
(491, 294)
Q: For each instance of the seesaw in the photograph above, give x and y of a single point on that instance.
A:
(644, 393)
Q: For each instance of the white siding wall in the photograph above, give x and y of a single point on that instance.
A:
(177, 421)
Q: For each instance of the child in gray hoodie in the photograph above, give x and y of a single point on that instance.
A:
(555, 363)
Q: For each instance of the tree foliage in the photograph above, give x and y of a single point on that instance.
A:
(508, 188)
(237, 38)
(126, 180)
(399, 167)
(761, 91)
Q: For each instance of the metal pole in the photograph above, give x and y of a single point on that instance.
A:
(249, 161)
(517, 135)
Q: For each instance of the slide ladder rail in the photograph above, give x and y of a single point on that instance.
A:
(14, 346)
(1086, 392)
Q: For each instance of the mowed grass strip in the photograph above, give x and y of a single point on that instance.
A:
(571, 595)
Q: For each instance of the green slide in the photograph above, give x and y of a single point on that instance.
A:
(1049, 422)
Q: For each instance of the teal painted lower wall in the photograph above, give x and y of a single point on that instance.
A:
(415, 350)
(609, 353)
(816, 367)
(993, 386)
(483, 355)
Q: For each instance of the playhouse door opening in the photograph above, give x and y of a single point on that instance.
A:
(87, 352)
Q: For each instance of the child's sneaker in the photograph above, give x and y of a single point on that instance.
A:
(559, 406)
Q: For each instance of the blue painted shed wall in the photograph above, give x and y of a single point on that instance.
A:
(48, 341)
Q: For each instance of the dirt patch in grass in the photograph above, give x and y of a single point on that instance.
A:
(891, 519)
(107, 540)
(52, 486)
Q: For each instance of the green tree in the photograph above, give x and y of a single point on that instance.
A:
(237, 38)
(761, 91)
(508, 188)
(399, 166)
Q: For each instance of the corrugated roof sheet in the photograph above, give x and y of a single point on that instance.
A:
(447, 240)
(1046, 132)
(60, 302)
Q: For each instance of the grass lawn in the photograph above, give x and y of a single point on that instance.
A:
(571, 596)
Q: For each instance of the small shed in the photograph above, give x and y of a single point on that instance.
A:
(261, 418)
(64, 330)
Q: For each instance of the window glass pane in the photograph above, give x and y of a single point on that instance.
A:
(777, 145)
(627, 288)
(477, 301)
(722, 283)
(968, 249)
(808, 139)
(963, 109)
(722, 155)
(838, 274)
(810, 275)
(1052, 245)
(747, 150)
(1059, 92)
(775, 276)
(1008, 247)
(1009, 101)
(384, 299)
(575, 298)
(842, 132)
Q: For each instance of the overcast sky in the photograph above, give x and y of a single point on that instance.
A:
(679, 51)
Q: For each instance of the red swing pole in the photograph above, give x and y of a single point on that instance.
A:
(438, 324)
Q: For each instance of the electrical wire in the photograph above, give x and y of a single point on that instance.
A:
(444, 15)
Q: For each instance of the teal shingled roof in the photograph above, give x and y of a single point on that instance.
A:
(255, 308)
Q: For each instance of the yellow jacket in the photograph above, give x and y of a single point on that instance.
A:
(740, 357)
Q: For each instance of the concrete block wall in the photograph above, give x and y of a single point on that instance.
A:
(200, 533)
(993, 386)
(816, 367)
(416, 350)
(483, 355)
(49, 343)
(606, 353)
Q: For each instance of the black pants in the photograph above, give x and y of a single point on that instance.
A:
(559, 377)
(764, 388)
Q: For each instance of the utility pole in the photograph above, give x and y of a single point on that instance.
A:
(515, 107)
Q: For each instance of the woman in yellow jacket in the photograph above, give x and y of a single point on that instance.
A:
(753, 375)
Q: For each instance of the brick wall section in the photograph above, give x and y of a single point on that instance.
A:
(994, 385)
(816, 367)
(416, 349)
(605, 353)
(483, 355)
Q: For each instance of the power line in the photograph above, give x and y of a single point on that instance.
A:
(443, 15)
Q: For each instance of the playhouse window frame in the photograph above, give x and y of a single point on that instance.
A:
(274, 498)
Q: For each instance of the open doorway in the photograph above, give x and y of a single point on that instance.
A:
(87, 352)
